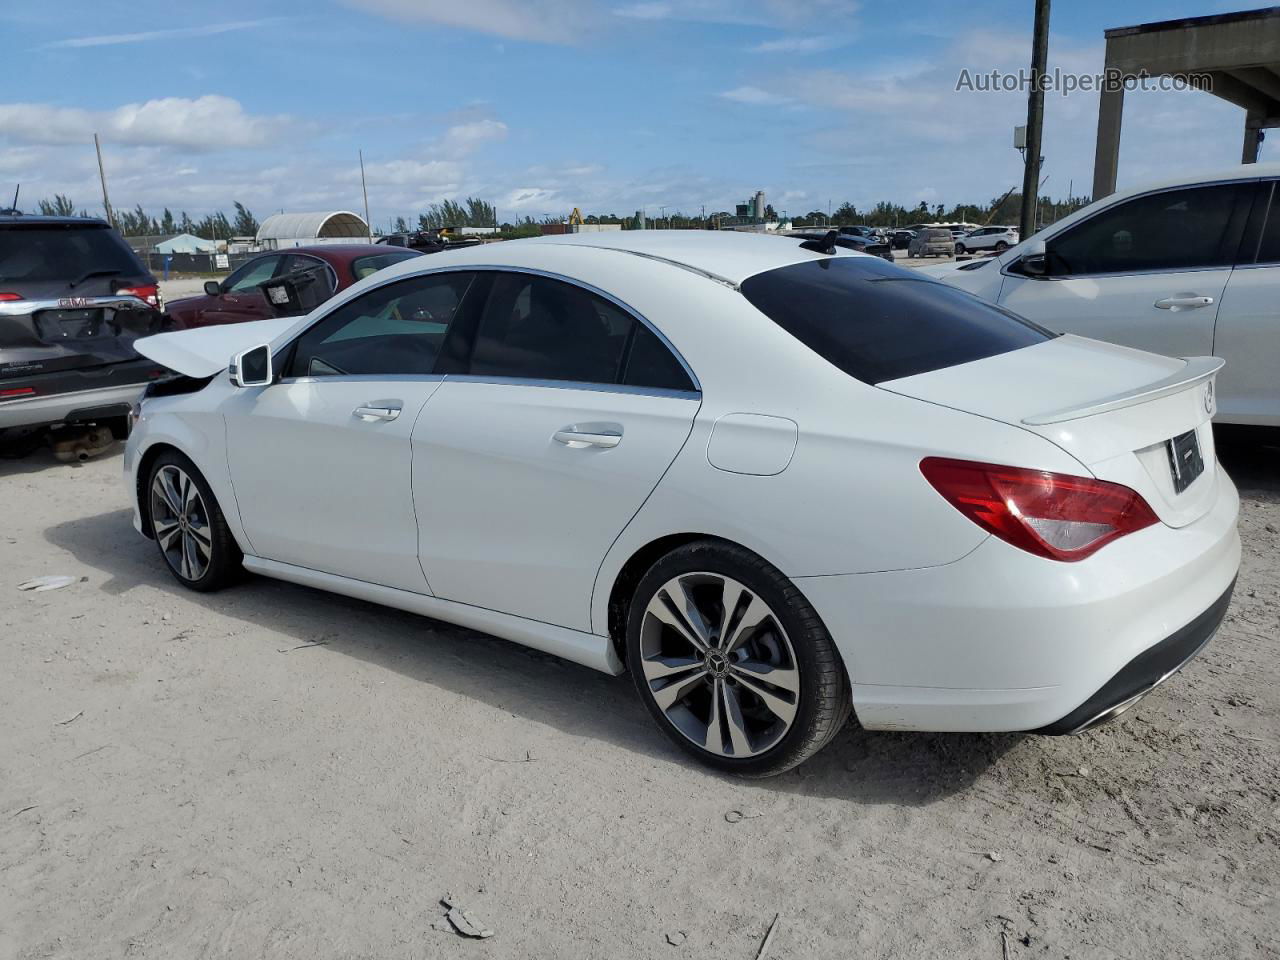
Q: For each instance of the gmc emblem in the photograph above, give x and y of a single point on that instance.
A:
(70, 303)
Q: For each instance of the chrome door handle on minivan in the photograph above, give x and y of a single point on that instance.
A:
(378, 410)
(1184, 301)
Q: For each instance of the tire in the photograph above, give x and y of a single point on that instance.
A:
(698, 695)
(1001, 246)
(189, 527)
(960, 250)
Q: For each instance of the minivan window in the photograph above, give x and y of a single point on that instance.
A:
(1269, 245)
(878, 322)
(53, 253)
(1173, 230)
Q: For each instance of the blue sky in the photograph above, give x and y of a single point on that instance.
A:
(543, 105)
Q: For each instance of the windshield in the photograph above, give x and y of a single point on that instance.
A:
(34, 254)
(878, 322)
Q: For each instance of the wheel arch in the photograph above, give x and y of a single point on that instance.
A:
(622, 591)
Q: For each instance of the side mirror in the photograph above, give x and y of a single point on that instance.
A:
(252, 368)
(212, 288)
(1033, 261)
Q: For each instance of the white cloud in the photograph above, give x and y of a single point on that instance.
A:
(523, 199)
(754, 96)
(206, 123)
(463, 139)
(645, 11)
(540, 21)
(756, 13)
(798, 45)
(439, 176)
(207, 30)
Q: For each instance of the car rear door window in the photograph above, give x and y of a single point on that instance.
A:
(363, 266)
(1172, 230)
(394, 330)
(1269, 242)
(537, 328)
(878, 322)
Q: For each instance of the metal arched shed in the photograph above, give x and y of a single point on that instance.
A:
(293, 229)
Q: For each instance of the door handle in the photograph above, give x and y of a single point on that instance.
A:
(1186, 301)
(380, 410)
(577, 438)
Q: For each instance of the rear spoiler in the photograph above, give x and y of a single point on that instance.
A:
(1197, 370)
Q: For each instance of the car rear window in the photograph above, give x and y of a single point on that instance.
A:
(878, 322)
(51, 253)
(372, 264)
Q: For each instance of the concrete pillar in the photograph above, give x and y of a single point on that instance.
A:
(1106, 157)
(1252, 133)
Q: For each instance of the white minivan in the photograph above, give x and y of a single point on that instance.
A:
(1185, 268)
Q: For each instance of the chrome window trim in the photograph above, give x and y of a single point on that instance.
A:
(507, 268)
(496, 381)
(1004, 268)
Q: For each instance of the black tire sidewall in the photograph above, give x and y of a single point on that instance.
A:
(798, 619)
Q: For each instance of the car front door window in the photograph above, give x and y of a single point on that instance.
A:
(252, 274)
(1184, 229)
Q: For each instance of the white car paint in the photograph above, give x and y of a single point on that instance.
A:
(1232, 312)
(986, 238)
(466, 508)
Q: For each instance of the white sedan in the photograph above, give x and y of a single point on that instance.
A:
(777, 481)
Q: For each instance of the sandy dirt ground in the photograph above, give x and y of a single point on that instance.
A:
(182, 776)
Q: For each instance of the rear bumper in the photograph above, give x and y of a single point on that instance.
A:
(72, 395)
(1002, 640)
(1145, 672)
(83, 405)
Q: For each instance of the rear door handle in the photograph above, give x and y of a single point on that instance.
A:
(378, 410)
(577, 438)
(1185, 301)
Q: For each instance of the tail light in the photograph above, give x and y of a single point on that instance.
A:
(149, 293)
(11, 392)
(8, 297)
(1052, 515)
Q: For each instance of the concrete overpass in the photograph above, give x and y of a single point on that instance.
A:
(1238, 53)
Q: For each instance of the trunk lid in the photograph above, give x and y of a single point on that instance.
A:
(1114, 409)
(66, 330)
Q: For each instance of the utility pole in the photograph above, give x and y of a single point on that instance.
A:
(102, 176)
(365, 190)
(1035, 120)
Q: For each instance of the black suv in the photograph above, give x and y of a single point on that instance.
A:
(73, 298)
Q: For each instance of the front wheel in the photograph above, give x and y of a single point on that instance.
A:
(189, 527)
(733, 662)
(1001, 246)
(960, 250)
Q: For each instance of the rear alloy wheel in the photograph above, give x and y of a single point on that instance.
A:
(961, 250)
(732, 661)
(1001, 246)
(189, 527)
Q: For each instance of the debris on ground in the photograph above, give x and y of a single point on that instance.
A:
(51, 582)
(71, 720)
(737, 816)
(764, 946)
(994, 857)
(676, 937)
(527, 758)
(463, 922)
(301, 646)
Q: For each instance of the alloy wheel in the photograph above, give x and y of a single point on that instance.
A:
(719, 664)
(180, 521)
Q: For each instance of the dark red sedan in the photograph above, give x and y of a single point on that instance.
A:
(239, 297)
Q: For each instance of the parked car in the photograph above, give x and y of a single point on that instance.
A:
(73, 299)
(1185, 268)
(929, 511)
(874, 246)
(998, 239)
(932, 242)
(240, 296)
(859, 230)
(901, 239)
